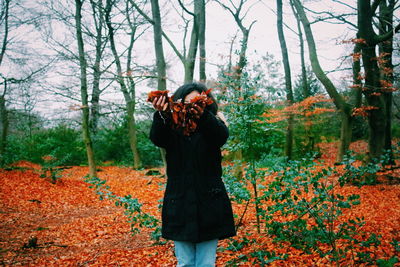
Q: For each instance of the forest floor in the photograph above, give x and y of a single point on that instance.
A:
(65, 224)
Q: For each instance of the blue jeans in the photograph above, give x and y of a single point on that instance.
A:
(201, 254)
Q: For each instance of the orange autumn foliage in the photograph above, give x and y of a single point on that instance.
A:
(304, 108)
(181, 113)
(73, 227)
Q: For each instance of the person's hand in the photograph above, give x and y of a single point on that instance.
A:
(160, 104)
(197, 111)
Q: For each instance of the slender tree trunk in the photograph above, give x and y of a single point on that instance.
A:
(189, 63)
(137, 163)
(3, 107)
(357, 82)
(288, 80)
(190, 60)
(4, 124)
(130, 103)
(386, 52)
(338, 99)
(346, 130)
(6, 29)
(84, 92)
(202, 41)
(158, 46)
(238, 69)
(304, 79)
(345, 135)
(94, 109)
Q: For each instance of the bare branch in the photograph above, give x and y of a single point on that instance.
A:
(375, 5)
(185, 9)
(5, 37)
(181, 57)
(345, 4)
(384, 37)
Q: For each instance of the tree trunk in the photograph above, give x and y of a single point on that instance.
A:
(84, 92)
(338, 99)
(160, 60)
(6, 29)
(137, 163)
(377, 116)
(161, 68)
(94, 110)
(238, 69)
(131, 105)
(3, 108)
(202, 41)
(130, 102)
(190, 60)
(345, 135)
(288, 80)
(386, 51)
(4, 128)
(304, 80)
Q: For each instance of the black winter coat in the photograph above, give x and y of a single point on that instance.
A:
(196, 206)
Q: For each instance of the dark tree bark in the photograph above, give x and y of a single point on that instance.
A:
(98, 18)
(3, 107)
(304, 80)
(386, 67)
(159, 50)
(4, 124)
(338, 100)
(288, 79)
(84, 90)
(202, 41)
(6, 30)
(158, 46)
(129, 96)
(190, 60)
(379, 119)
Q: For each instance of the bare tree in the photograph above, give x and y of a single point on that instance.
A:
(84, 90)
(288, 79)
(202, 40)
(158, 45)
(100, 43)
(19, 76)
(339, 101)
(237, 13)
(188, 56)
(3, 109)
(127, 91)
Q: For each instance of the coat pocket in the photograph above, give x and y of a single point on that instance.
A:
(211, 209)
(173, 211)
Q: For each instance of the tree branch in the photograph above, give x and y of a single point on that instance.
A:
(375, 5)
(180, 56)
(5, 38)
(384, 37)
(185, 9)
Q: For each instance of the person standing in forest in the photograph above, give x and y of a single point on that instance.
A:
(196, 210)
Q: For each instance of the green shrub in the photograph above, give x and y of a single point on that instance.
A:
(112, 144)
(61, 143)
(305, 212)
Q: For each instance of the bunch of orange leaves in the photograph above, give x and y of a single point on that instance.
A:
(184, 116)
(305, 109)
